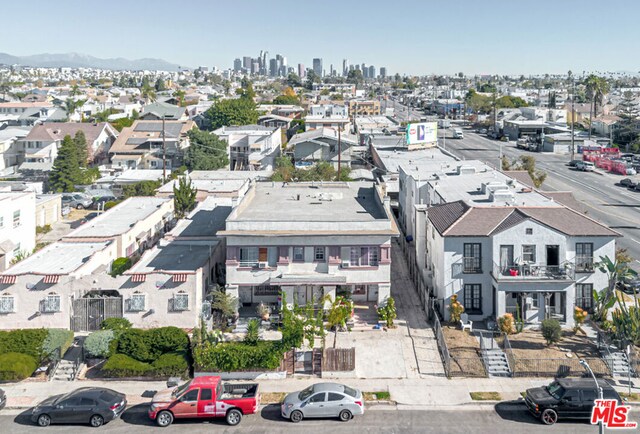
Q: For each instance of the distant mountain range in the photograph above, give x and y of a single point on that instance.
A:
(75, 60)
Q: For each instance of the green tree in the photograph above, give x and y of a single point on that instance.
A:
(246, 90)
(80, 143)
(596, 89)
(66, 172)
(142, 188)
(286, 100)
(241, 111)
(184, 196)
(160, 85)
(312, 77)
(206, 151)
(616, 270)
(293, 80)
(355, 77)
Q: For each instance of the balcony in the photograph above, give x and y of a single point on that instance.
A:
(533, 272)
(585, 264)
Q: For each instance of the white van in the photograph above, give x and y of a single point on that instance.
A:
(457, 133)
(585, 166)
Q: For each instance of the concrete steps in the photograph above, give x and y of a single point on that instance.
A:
(617, 362)
(496, 363)
(64, 371)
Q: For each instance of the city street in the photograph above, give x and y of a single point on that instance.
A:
(401, 113)
(504, 418)
(604, 201)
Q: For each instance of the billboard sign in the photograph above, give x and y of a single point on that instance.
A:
(423, 132)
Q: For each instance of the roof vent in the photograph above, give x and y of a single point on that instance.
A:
(465, 170)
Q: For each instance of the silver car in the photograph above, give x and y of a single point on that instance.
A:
(323, 400)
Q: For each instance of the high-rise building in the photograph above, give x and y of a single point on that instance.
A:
(372, 71)
(301, 71)
(331, 71)
(365, 71)
(317, 66)
(246, 62)
(383, 72)
(273, 67)
(345, 67)
(237, 65)
(255, 67)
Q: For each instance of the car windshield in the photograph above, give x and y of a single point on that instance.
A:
(305, 393)
(180, 389)
(555, 390)
(351, 392)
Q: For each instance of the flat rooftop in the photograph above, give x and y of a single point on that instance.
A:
(326, 202)
(173, 257)
(58, 258)
(209, 185)
(119, 219)
(206, 220)
(230, 174)
(423, 161)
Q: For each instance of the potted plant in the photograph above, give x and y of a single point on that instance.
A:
(264, 311)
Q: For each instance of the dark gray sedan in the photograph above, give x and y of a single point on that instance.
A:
(323, 400)
(88, 405)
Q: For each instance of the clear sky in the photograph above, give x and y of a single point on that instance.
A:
(414, 37)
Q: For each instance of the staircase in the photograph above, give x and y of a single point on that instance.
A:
(65, 371)
(616, 360)
(70, 364)
(494, 359)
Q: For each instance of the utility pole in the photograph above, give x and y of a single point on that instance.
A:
(164, 154)
(339, 153)
(573, 114)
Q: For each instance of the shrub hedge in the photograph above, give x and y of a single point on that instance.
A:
(16, 366)
(116, 324)
(167, 365)
(171, 365)
(97, 344)
(148, 345)
(57, 338)
(238, 356)
(119, 266)
(25, 341)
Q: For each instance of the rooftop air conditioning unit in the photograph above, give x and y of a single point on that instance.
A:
(345, 264)
(262, 265)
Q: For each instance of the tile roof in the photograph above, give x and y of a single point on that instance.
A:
(478, 221)
(52, 131)
(443, 216)
(132, 138)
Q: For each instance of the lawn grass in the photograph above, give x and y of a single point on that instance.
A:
(272, 397)
(376, 396)
(485, 396)
(634, 397)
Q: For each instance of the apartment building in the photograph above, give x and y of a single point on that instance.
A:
(9, 148)
(322, 144)
(251, 147)
(327, 115)
(310, 240)
(17, 225)
(363, 107)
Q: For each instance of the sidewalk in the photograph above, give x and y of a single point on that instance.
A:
(414, 393)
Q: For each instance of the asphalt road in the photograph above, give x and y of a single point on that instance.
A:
(504, 418)
(401, 112)
(605, 202)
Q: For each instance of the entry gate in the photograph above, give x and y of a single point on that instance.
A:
(88, 313)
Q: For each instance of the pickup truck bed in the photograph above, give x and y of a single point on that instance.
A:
(238, 391)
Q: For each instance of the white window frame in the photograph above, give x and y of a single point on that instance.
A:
(16, 218)
(248, 256)
(52, 303)
(529, 257)
(367, 256)
(134, 303)
(319, 254)
(176, 306)
(300, 257)
(4, 299)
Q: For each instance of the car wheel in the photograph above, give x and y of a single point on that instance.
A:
(549, 417)
(296, 416)
(234, 417)
(79, 206)
(44, 420)
(96, 421)
(164, 419)
(345, 416)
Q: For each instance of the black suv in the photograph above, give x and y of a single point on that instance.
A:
(567, 398)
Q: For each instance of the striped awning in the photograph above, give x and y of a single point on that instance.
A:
(179, 278)
(138, 277)
(51, 278)
(8, 280)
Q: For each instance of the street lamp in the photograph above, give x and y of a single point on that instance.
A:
(586, 366)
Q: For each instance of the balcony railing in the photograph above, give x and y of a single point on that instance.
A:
(472, 264)
(565, 271)
(585, 264)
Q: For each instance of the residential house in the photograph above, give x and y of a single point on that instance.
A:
(17, 225)
(9, 148)
(141, 146)
(323, 144)
(251, 147)
(605, 125)
(327, 115)
(217, 188)
(310, 240)
(162, 110)
(43, 141)
(288, 111)
(275, 121)
(133, 225)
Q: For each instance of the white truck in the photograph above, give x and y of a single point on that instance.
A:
(457, 133)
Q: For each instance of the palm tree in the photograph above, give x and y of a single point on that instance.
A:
(597, 87)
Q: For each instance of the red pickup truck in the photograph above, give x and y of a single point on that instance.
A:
(205, 397)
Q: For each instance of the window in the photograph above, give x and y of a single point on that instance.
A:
(131, 249)
(335, 397)
(298, 254)
(190, 396)
(584, 257)
(528, 231)
(472, 258)
(572, 396)
(181, 302)
(473, 298)
(136, 303)
(87, 402)
(529, 254)
(266, 290)
(248, 256)
(16, 250)
(364, 256)
(318, 254)
(51, 303)
(318, 397)
(205, 395)
(1, 222)
(584, 296)
(16, 219)
(589, 395)
(7, 304)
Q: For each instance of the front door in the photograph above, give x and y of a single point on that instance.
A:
(186, 405)
(570, 404)
(532, 308)
(315, 405)
(64, 411)
(506, 258)
(300, 296)
(206, 403)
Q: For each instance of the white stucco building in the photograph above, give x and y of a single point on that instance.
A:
(17, 225)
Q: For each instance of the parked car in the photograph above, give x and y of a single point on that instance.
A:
(205, 397)
(627, 182)
(586, 166)
(630, 171)
(3, 399)
(89, 217)
(567, 398)
(323, 400)
(66, 209)
(91, 405)
(98, 202)
(573, 163)
(635, 188)
(629, 285)
(76, 200)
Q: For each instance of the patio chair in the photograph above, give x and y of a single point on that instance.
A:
(465, 323)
